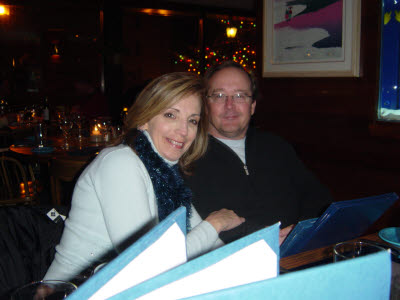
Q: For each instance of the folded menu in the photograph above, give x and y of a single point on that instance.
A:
(250, 259)
(366, 278)
(155, 267)
(341, 221)
(162, 248)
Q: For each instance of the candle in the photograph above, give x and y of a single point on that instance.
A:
(22, 188)
(96, 130)
(95, 134)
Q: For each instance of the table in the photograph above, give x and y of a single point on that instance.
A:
(60, 165)
(81, 149)
(312, 256)
(83, 153)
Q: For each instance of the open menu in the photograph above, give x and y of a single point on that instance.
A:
(343, 220)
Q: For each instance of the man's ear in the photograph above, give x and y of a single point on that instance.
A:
(253, 107)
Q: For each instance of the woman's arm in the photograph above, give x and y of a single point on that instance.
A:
(126, 197)
(110, 203)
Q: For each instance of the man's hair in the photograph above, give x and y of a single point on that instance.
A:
(162, 93)
(231, 64)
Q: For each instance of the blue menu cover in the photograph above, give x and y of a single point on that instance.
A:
(298, 234)
(162, 248)
(343, 220)
(252, 258)
(367, 277)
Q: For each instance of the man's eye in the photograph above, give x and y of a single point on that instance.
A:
(239, 96)
(219, 95)
(169, 115)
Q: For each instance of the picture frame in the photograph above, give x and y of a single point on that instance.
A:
(317, 39)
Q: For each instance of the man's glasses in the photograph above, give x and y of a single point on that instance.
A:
(236, 98)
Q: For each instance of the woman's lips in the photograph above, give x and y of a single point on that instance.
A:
(175, 144)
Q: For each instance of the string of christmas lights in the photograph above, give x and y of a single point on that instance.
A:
(235, 49)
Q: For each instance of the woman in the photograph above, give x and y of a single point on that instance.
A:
(130, 187)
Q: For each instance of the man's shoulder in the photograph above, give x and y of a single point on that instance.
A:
(262, 137)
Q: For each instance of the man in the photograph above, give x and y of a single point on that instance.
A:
(254, 173)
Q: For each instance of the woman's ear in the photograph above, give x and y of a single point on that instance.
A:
(143, 127)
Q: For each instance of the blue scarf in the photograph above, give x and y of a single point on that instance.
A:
(169, 187)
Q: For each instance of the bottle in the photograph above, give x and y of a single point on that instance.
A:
(46, 111)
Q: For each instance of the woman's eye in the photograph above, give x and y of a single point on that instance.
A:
(194, 122)
(169, 115)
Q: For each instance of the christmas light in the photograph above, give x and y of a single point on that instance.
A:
(223, 49)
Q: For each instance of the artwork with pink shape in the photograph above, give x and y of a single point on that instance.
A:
(308, 31)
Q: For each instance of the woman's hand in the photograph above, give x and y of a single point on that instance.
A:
(284, 232)
(224, 219)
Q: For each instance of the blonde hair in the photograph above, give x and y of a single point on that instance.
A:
(159, 95)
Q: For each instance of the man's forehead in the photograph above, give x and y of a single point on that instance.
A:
(229, 77)
(222, 90)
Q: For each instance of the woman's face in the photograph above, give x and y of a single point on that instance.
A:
(174, 130)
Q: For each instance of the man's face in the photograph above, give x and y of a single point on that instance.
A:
(229, 120)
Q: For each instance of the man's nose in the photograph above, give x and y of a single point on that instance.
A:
(229, 101)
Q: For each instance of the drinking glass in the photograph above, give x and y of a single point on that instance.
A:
(29, 114)
(40, 134)
(347, 250)
(20, 117)
(116, 131)
(77, 119)
(65, 124)
(104, 126)
(395, 288)
(353, 249)
(44, 289)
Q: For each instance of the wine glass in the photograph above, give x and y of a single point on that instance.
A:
(77, 120)
(104, 125)
(66, 124)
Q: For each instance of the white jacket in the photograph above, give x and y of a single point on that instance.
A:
(113, 199)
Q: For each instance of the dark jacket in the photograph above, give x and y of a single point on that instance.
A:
(278, 187)
(27, 245)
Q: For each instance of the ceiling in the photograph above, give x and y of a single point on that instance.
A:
(248, 5)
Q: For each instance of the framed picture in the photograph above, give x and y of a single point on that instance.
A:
(314, 38)
(389, 100)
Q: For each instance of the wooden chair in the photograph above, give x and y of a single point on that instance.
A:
(5, 138)
(17, 184)
(63, 170)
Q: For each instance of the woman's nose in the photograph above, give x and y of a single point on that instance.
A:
(182, 128)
